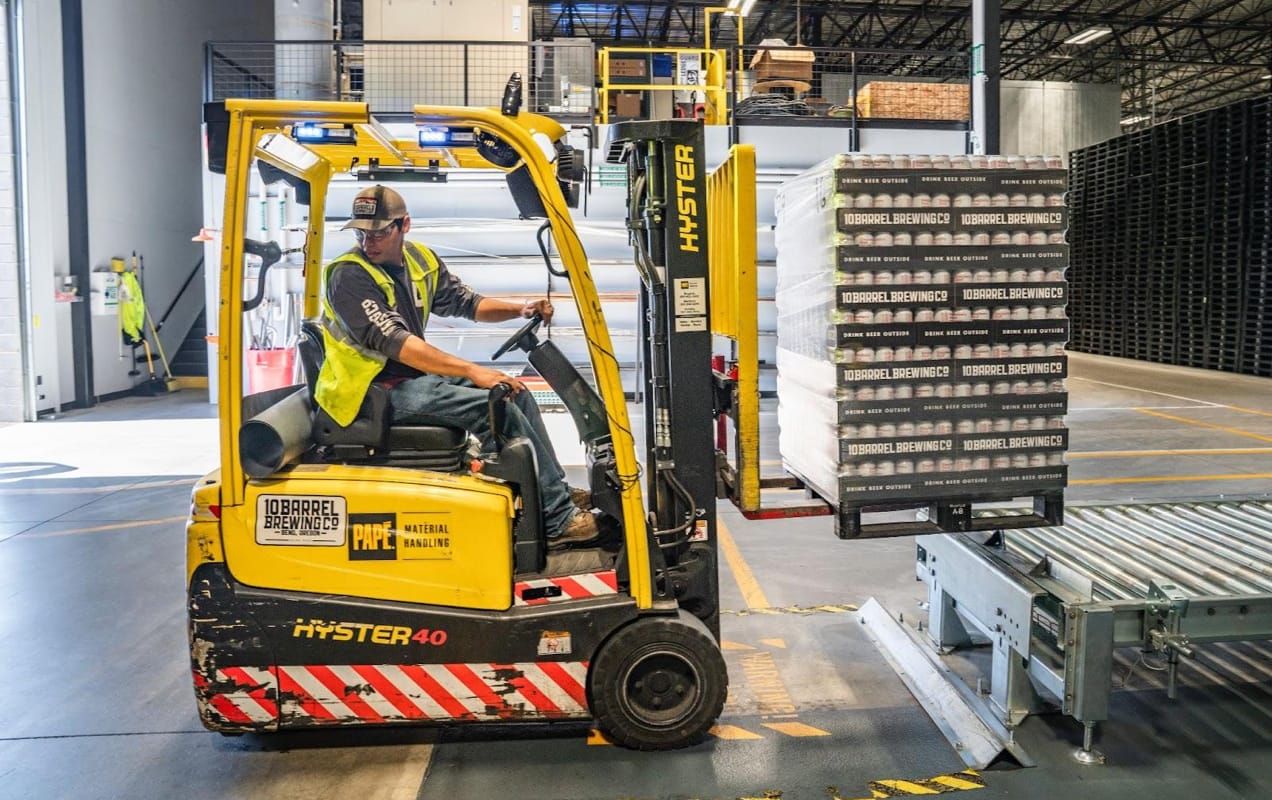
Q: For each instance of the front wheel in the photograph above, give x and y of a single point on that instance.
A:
(658, 684)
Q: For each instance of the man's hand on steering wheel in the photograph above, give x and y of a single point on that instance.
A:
(542, 307)
(487, 378)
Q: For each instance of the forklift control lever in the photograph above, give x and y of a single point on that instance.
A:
(498, 409)
(269, 253)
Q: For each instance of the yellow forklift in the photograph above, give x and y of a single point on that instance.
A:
(380, 573)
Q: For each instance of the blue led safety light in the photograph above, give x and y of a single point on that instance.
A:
(432, 137)
(320, 134)
(446, 137)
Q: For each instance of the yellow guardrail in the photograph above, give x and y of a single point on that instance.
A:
(713, 67)
(731, 228)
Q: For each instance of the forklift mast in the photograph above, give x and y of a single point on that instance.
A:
(666, 220)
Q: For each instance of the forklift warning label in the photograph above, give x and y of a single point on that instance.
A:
(304, 520)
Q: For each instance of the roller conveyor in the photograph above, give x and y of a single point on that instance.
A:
(1057, 603)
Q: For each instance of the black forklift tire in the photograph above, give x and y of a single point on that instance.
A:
(658, 683)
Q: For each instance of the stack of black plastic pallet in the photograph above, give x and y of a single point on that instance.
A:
(1169, 231)
(1256, 351)
(921, 331)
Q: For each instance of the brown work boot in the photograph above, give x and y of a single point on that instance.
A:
(580, 530)
(581, 498)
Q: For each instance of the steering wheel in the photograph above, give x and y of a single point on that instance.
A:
(517, 339)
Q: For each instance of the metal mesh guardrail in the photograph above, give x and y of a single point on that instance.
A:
(832, 83)
(392, 77)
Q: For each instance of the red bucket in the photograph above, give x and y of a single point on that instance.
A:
(270, 369)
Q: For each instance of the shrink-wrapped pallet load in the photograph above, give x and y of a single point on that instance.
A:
(921, 330)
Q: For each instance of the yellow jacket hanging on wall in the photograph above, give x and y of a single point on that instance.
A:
(132, 308)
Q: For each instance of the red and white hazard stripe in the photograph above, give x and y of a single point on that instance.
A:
(573, 587)
(371, 693)
(249, 702)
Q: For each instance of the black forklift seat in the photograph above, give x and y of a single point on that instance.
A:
(373, 436)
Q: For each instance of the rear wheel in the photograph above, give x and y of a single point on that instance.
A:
(658, 684)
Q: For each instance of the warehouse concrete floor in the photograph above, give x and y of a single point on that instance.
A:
(95, 696)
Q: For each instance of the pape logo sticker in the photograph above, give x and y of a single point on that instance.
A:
(372, 537)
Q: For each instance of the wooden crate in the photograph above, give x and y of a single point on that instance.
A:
(783, 63)
(897, 100)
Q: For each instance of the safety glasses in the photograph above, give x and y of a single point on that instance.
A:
(380, 235)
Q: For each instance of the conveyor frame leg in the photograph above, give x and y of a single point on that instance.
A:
(1087, 754)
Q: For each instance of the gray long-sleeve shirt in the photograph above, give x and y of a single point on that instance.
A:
(364, 309)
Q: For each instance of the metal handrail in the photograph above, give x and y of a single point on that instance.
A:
(714, 70)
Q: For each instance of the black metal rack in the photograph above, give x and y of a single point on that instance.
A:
(1170, 233)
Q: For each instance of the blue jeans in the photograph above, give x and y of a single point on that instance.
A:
(457, 402)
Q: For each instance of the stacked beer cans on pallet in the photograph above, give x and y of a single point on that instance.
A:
(921, 332)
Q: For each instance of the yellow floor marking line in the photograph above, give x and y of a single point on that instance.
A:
(725, 644)
(114, 526)
(940, 784)
(595, 737)
(732, 732)
(117, 487)
(1239, 476)
(1222, 451)
(960, 781)
(1210, 425)
(752, 594)
(795, 729)
(843, 608)
(779, 643)
(1250, 411)
(765, 682)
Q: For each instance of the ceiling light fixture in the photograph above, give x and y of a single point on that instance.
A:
(1089, 35)
(1135, 119)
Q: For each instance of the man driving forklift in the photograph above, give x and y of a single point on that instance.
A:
(376, 572)
(369, 337)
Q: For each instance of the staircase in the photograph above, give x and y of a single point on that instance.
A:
(191, 359)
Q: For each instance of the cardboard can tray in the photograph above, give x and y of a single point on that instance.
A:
(1051, 404)
(1055, 218)
(950, 181)
(912, 448)
(971, 486)
(855, 258)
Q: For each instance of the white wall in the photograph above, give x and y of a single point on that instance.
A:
(143, 93)
(11, 383)
(1052, 117)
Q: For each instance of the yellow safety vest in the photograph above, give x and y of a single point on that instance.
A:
(348, 368)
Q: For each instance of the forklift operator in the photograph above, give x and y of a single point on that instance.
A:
(371, 335)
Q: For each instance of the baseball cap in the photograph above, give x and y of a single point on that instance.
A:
(374, 208)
